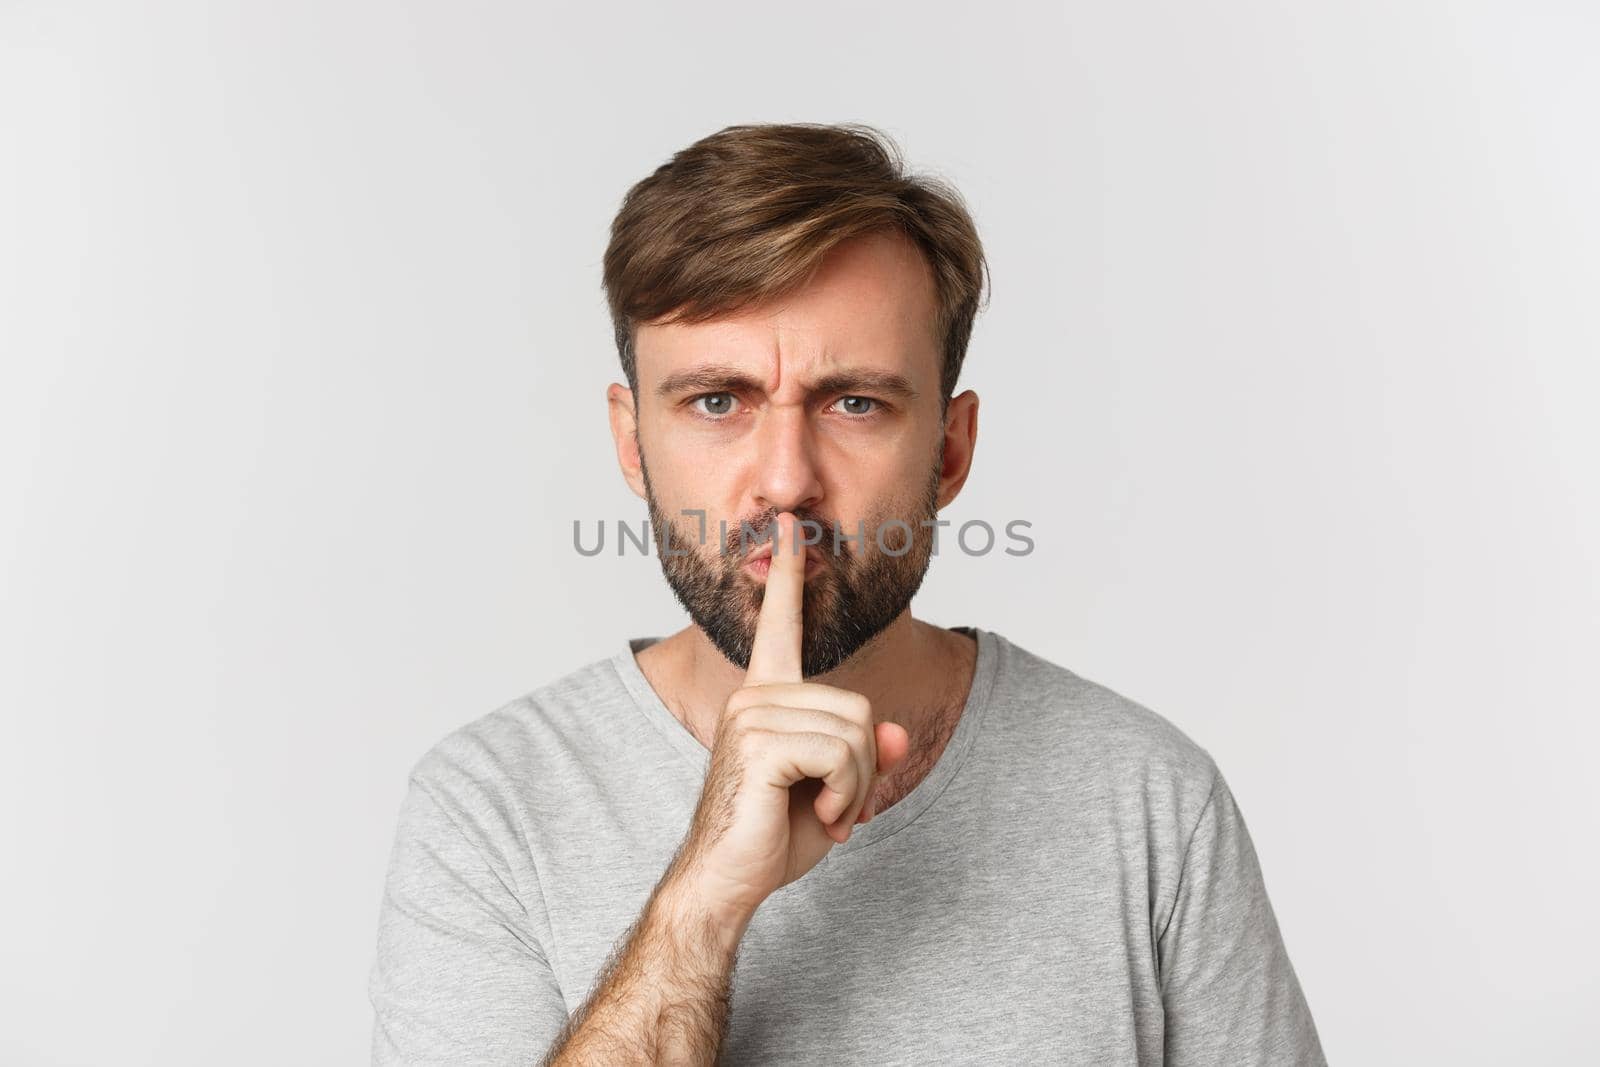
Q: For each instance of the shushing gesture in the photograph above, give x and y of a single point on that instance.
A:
(793, 764)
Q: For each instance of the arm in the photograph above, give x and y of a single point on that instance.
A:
(462, 975)
(664, 996)
(1229, 991)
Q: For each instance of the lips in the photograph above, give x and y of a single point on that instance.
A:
(764, 551)
(759, 561)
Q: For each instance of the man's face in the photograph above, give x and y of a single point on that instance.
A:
(826, 405)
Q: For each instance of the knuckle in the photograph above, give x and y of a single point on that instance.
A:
(859, 734)
(742, 698)
(748, 715)
(749, 739)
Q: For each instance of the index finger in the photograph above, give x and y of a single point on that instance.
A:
(775, 652)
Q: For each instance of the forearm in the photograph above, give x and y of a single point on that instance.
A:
(665, 995)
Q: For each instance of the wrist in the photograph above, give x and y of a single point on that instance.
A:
(683, 905)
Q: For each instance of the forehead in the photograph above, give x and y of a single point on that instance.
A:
(871, 304)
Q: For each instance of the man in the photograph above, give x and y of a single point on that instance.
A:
(809, 827)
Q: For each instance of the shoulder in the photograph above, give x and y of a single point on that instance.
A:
(1101, 734)
(523, 740)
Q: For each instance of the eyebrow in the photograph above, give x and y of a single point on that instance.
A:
(725, 378)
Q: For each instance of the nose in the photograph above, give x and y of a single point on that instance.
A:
(786, 471)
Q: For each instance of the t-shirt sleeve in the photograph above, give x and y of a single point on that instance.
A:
(459, 978)
(1229, 992)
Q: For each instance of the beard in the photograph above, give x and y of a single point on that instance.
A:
(856, 595)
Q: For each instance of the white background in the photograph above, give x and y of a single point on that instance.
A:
(1290, 359)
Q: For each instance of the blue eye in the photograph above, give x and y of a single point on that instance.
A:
(718, 403)
(859, 400)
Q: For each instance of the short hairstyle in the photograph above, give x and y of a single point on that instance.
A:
(748, 213)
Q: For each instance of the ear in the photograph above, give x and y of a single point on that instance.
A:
(960, 435)
(625, 434)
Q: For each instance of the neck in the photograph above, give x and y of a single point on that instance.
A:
(910, 672)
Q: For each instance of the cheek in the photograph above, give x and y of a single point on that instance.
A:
(884, 493)
(693, 489)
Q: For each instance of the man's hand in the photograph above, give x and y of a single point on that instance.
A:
(792, 770)
(794, 764)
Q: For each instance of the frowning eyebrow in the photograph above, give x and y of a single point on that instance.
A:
(724, 378)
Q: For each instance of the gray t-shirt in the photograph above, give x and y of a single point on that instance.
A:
(1072, 882)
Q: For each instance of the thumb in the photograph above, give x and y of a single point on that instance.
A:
(894, 744)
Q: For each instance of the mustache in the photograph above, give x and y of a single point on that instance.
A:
(739, 539)
(746, 535)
